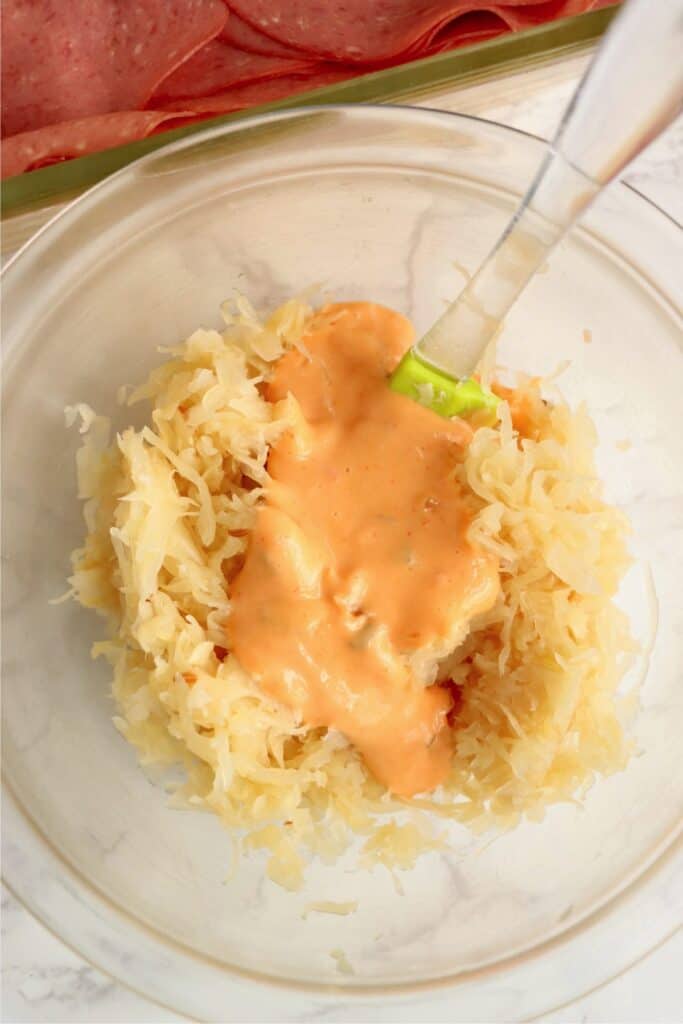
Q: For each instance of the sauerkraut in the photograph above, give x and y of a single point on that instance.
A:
(168, 509)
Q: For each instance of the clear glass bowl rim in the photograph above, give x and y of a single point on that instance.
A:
(665, 864)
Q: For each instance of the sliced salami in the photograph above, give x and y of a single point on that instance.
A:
(475, 27)
(241, 34)
(219, 66)
(374, 32)
(30, 150)
(268, 91)
(85, 75)
(64, 61)
(478, 26)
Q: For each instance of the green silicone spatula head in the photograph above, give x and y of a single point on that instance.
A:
(631, 91)
(437, 390)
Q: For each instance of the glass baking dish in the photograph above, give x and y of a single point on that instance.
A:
(421, 79)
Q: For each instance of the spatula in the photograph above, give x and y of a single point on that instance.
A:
(631, 91)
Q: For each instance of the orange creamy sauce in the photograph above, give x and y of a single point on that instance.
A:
(358, 558)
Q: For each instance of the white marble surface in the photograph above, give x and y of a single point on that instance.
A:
(42, 980)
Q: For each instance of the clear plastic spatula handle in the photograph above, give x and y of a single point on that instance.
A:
(631, 91)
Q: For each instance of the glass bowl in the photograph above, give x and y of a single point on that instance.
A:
(398, 206)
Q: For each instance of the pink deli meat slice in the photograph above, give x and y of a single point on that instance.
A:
(30, 150)
(219, 66)
(64, 60)
(380, 31)
(240, 33)
(256, 93)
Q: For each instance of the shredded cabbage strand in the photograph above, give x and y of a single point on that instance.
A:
(168, 510)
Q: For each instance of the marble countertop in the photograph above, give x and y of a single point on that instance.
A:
(42, 980)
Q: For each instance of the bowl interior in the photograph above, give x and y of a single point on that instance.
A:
(398, 207)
